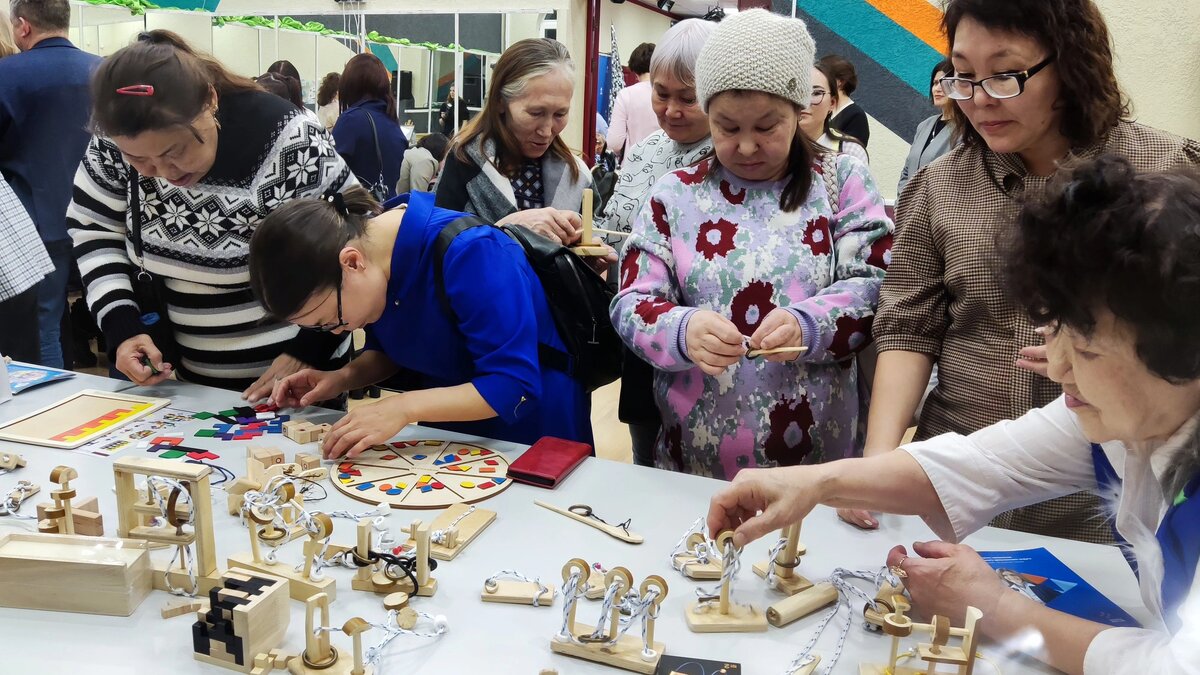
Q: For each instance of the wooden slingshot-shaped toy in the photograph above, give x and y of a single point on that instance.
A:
(607, 642)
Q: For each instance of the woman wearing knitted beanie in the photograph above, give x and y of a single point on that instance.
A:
(769, 243)
(1034, 86)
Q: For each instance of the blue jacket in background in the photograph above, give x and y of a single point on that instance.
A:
(355, 142)
(502, 317)
(45, 106)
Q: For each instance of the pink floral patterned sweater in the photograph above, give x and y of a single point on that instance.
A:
(709, 240)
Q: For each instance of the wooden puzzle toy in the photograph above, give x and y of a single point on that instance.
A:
(80, 418)
(423, 474)
(606, 643)
(304, 432)
(695, 555)
(586, 247)
(387, 573)
(179, 494)
(715, 611)
(454, 528)
(10, 461)
(22, 491)
(801, 604)
(181, 607)
(248, 615)
(67, 573)
(62, 516)
(780, 567)
(583, 513)
(889, 597)
(275, 517)
(510, 587)
(934, 653)
(320, 657)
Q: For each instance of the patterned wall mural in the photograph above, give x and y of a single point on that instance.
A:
(893, 45)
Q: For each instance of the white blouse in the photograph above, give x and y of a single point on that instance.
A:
(1042, 455)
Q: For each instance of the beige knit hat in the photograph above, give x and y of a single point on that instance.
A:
(756, 50)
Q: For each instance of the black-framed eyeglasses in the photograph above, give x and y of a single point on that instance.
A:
(1000, 85)
(817, 96)
(340, 323)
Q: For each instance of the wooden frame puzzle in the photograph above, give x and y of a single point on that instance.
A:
(80, 418)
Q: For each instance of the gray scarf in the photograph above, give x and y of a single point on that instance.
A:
(491, 194)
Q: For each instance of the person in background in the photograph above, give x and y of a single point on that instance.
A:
(285, 68)
(935, 136)
(44, 106)
(682, 140)
(1108, 263)
(848, 117)
(816, 120)
(509, 165)
(204, 154)
(420, 166)
(23, 258)
(633, 117)
(284, 87)
(1029, 96)
(451, 109)
(340, 264)
(367, 133)
(328, 107)
(737, 253)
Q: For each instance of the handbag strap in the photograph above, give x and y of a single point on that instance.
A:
(378, 152)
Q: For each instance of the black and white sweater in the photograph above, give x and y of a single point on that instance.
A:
(197, 240)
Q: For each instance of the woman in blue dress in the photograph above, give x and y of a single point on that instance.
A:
(340, 263)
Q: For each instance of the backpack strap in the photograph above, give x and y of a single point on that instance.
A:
(548, 356)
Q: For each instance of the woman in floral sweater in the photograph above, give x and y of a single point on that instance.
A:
(747, 251)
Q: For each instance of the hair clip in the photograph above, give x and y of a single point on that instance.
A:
(339, 203)
(137, 90)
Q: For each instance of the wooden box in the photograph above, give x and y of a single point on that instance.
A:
(68, 573)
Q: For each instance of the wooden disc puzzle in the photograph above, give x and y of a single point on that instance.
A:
(423, 474)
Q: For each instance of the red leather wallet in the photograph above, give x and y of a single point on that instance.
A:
(548, 461)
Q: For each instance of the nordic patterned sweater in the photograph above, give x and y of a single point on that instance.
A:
(709, 240)
(197, 240)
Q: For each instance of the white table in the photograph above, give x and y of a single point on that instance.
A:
(495, 638)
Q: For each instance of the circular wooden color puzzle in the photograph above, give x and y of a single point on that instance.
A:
(423, 474)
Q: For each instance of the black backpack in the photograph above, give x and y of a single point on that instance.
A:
(578, 299)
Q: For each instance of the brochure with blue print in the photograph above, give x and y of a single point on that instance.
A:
(23, 376)
(1040, 576)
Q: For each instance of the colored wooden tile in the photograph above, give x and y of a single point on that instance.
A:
(203, 416)
(488, 469)
(202, 455)
(467, 484)
(450, 458)
(167, 440)
(388, 457)
(438, 486)
(426, 479)
(206, 433)
(364, 487)
(485, 451)
(228, 413)
(385, 487)
(499, 480)
(485, 486)
(395, 491)
(172, 454)
(419, 457)
(427, 488)
(402, 486)
(474, 453)
(346, 480)
(490, 462)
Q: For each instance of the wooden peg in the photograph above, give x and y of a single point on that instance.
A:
(318, 652)
(786, 579)
(355, 627)
(801, 604)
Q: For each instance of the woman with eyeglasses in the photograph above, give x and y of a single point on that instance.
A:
(186, 160)
(1034, 86)
(816, 119)
(474, 335)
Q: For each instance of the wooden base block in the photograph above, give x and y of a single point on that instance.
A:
(740, 619)
(626, 654)
(468, 528)
(299, 587)
(379, 583)
(85, 516)
(882, 669)
(709, 571)
(518, 593)
(343, 666)
(591, 251)
(787, 585)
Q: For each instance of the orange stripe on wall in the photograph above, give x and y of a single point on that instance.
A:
(917, 17)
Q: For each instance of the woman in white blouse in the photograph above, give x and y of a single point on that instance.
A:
(1109, 263)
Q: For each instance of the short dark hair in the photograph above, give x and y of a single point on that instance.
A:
(845, 77)
(1106, 237)
(294, 250)
(639, 60)
(283, 86)
(365, 78)
(329, 88)
(181, 77)
(285, 67)
(1074, 34)
(44, 15)
(943, 66)
(436, 144)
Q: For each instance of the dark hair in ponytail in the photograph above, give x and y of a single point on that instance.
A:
(294, 251)
(182, 79)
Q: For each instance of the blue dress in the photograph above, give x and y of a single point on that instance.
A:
(503, 316)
